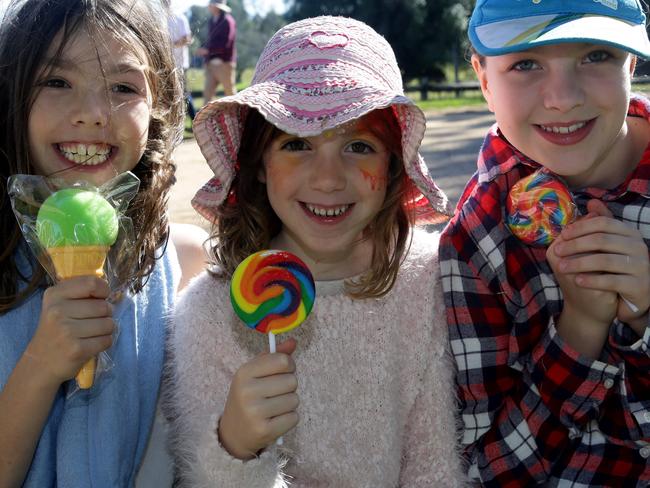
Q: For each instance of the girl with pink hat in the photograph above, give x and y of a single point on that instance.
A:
(318, 157)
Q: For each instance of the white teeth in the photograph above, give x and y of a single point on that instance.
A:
(327, 212)
(564, 130)
(86, 154)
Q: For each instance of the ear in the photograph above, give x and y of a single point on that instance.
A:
(261, 174)
(481, 74)
(633, 64)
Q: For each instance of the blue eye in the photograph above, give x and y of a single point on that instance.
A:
(525, 65)
(598, 56)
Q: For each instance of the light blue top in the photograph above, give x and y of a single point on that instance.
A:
(97, 437)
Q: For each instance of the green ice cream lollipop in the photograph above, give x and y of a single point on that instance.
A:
(77, 227)
(76, 217)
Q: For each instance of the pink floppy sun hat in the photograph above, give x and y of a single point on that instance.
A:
(314, 75)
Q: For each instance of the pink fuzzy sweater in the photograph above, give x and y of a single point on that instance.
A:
(376, 389)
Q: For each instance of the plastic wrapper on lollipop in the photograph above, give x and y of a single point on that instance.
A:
(538, 207)
(77, 229)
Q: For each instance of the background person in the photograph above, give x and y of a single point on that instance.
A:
(219, 51)
(181, 37)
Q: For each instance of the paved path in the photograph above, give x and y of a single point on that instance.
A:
(450, 146)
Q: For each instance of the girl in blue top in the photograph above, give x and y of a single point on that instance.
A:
(87, 87)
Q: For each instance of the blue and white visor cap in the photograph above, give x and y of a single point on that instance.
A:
(504, 26)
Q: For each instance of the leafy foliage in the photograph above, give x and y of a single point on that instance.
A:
(425, 34)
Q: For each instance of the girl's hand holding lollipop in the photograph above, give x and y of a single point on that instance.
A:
(272, 292)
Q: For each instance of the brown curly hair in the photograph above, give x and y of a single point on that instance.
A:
(246, 222)
(28, 29)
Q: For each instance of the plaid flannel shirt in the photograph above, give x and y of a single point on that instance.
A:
(534, 410)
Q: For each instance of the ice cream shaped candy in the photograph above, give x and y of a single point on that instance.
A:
(272, 292)
(77, 228)
(538, 207)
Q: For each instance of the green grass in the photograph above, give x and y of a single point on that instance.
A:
(444, 101)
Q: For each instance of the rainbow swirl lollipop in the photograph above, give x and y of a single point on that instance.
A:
(538, 207)
(272, 292)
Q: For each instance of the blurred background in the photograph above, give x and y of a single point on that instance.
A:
(428, 37)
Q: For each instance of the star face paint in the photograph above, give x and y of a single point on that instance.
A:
(341, 130)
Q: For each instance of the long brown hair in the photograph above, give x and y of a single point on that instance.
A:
(28, 29)
(246, 222)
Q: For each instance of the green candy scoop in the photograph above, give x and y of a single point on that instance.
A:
(76, 217)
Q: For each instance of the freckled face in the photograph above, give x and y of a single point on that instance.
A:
(326, 190)
(90, 118)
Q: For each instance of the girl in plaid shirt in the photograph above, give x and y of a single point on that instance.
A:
(552, 360)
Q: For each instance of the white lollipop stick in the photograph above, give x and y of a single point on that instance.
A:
(279, 441)
(632, 307)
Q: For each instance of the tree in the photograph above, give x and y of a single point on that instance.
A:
(425, 34)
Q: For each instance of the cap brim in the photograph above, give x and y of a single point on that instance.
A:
(525, 33)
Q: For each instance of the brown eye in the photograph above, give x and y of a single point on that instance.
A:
(121, 88)
(360, 147)
(54, 83)
(295, 145)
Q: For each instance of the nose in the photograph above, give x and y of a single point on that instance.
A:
(563, 90)
(327, 171)
(90, 108)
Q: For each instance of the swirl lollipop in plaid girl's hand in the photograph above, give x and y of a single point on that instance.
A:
(538, 207)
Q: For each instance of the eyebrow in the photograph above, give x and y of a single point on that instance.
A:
(69, 65)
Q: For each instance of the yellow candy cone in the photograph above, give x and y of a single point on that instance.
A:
(72, 261)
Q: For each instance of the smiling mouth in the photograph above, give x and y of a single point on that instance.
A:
(85, 154)
(335, 211)
(563, 129)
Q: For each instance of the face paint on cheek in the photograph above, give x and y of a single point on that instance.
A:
(375, 176)
(282, 168)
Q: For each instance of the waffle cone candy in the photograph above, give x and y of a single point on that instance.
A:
(272, 291)
(538, 207)
(71, 261)
(77, 228)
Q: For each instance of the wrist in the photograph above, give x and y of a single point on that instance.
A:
(583, 333)
(35, 372)
(230, 445)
